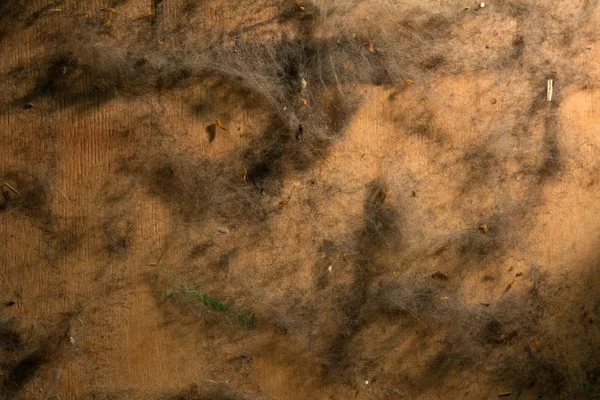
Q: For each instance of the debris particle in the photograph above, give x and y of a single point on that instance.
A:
(9, 303)
(304, 102)
(485, 304)
(414, 194)
(482, 5)
(512, 282)
(303, 83)
(366, 382)
(505, 394)
(245, 174)
(549, 89)
(369, 46)
(444, 298)
(483, 228)
(329, 269)
(440, 275)
(72, 340)
(300, 133)
(220, 124)
(409, 82)
(223, 230)
(28, 106)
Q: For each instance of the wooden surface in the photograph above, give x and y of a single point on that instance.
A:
(89, 249)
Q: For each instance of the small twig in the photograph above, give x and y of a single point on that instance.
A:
(64, 195)
(337, 81)
(549, 89)
(158, 262)
(512, 282)
(12, 188)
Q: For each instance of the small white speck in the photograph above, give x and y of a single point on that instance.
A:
(71, 339)
(329, 269)
(482, 5)
(366, 382)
